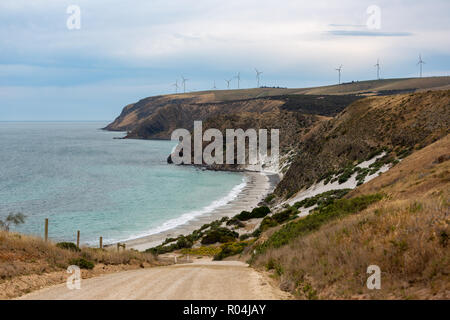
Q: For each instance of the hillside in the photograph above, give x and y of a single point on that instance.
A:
(397, 124)
(405, 234)
(156, 117)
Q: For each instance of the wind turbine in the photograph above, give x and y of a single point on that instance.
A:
(258, 73)
(184, 83)
(339, 71)
(420, 63)
(228, 83)
(378, 69)
(176, 86)
(238, 77)
(214, 86)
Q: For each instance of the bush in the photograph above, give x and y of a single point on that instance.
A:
(259, 212)
(284, 215)
(269, 198)
(348, 172)
(183, 242)
(320, 216)
(244, 236)
(268, 222)
(231, 248)
(202, 251)
(323, 198)
(82, 263)
(67, 246)
(235, 222)
(221, 235)
(12, 218)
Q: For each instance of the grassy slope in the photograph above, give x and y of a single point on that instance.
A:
(401, 121)
(28, 263)
(405, 234)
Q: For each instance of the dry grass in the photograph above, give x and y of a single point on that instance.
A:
(406, 235)
(28, 263)
(405, 239)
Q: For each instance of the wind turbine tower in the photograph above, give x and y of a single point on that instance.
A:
(339, 71)
(258, 74)
(378, 69)
(184, 83)
(176, 86)
(238, 77)
(228, 83)
(420, 63)
(214, 86)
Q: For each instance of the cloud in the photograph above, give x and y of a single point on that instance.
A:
(356, 33)
(148, 44)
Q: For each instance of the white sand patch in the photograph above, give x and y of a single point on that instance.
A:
(351, 183)
(367, 163)
(384, 168)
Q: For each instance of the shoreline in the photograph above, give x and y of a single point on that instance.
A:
(258, 185)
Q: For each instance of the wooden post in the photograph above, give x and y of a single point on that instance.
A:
(101, 242)
(118, 246)
(46, 230)
(78, 238)
(124, 246)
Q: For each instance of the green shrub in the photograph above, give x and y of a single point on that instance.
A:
(244, 236)
(266, 223)
(259, 212)
(235, 222)
(68, 246)
(284, 215)
(321, 199)
(82, 263)
(348, 172)
(319, 217)
(231, 248)
(183, 242)
(221, 235)
(269, 198)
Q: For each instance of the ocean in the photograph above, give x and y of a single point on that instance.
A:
(80, 178)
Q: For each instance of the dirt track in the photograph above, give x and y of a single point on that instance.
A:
(199, 280)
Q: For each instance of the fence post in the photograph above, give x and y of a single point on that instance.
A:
(46, 229)
(78, 239)
(118, 246)
(101, 242)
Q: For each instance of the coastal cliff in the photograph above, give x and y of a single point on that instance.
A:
(322, 130)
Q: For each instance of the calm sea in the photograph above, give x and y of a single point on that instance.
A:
(81, 178)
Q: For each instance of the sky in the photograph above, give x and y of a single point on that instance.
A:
(124, 51)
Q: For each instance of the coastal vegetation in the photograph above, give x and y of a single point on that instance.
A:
(28, 263)
(12, 219)
(405, 233)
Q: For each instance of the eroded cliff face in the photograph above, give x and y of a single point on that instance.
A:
(156, 117)
(292, 115)
(397, 124)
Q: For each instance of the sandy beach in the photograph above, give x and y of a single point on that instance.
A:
(258, 185)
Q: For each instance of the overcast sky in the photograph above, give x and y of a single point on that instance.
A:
(128, 50)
